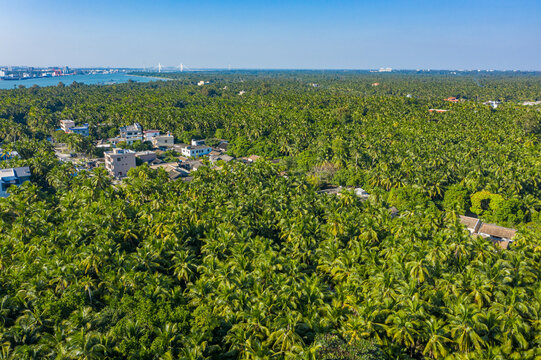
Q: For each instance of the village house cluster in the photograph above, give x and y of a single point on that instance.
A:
(119, 160)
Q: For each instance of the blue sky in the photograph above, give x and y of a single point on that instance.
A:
(316, 34)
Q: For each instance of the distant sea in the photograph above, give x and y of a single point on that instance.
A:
(98, 79)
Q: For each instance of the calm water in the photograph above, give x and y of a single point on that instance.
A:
(99, 79)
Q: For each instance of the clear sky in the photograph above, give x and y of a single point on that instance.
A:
(311, 34)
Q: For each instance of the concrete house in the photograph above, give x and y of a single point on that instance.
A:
(150, 134)
(13, 176)
(173, 170)
(119, 161)
(359, 192)
(80, 130)
(65, 125)
(222, 146)
(68, 126)
(196, 151)
(163, 141)
(131, 133)
(146, 156)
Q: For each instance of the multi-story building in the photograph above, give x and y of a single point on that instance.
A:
(150, 134)
(66, 125)
(131, 133)
(196, 151)
(163, 141)
(13, 176)
(119, 161)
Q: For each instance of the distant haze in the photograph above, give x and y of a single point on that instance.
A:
(315, 34)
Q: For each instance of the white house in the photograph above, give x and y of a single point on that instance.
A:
(131, 133)
(196, 151)
(150, 134)
(163, 141)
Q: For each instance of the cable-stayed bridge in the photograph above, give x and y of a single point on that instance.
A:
(161, 68)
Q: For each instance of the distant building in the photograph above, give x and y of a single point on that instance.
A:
(7, 155)
(499, 235)
(150, 134)
(163, 141)
(146, 156)
(65, 125)
(197, 142)
(196, 151)
(131, 133)
(359, 192)
(452, 99)
(68, 126)
(80, 130)
(173, 170)
(222, 157)
(222, 146)
(531, 103)
(492, 103)
(119, 161)
(13, 176)
(437, 110)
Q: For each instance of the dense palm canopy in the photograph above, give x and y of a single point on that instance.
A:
(245, 263)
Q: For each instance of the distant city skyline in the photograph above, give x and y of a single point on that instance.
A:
(317, 34)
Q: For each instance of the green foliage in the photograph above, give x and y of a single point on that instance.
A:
(510, 212)
(244, 262)
(531, 123)
(136, 145)
(334, 348)
(170, 156)
(457, 199)
(485, 203)
(408, 197)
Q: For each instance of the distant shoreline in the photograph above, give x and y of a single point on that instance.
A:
(151, 77)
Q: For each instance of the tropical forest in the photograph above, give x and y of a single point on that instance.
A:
(258, 260)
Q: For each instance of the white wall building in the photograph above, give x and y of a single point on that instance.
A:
(150, 134)
(131, 133)
(163, 141)
(196, 151)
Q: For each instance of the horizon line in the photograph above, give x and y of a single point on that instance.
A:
(390, 69)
